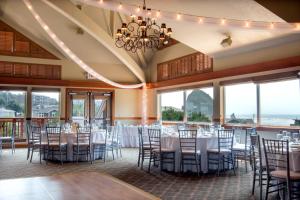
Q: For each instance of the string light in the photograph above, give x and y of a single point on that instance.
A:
(223, 22)
(200, 21)
(70, 54)
(101, 1)
(272, 25)
(247, 24)
(298, 26)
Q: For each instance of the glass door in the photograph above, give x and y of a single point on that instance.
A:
(100, 109)
(79, 111)
(89, 107)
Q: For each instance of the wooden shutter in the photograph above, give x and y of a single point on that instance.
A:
(21, 70)
(6, 69)
(6, 42)
(22, 45)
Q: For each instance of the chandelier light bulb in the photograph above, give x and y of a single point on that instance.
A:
(169, 31)
(157, 13)
(120, 6)
(101, 1)
(138, 9)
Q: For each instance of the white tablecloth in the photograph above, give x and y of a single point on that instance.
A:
(70, 139)
(295, 161)
(203, 143)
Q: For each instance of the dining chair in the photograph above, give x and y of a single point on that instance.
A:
(242, 151)
(99, 146)
(82, 146)
(36, 141)
(55, 146)
(223, 153)
(8, 130)
(188, 150)
(157, 153)
(259, 167)
(279, 176)
(144, 148)
(116, 141)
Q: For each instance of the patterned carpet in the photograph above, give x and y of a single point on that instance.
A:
(165, 185)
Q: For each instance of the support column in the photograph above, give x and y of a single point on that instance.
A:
(184, 107)
(28, 104)
(62, 104)
(218, 104)
(258, 117)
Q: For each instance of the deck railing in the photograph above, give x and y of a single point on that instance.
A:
(13, 127)
(17, 126)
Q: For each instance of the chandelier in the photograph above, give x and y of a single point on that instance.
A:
(142, 33)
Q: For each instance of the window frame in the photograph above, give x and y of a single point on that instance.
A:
(42, 90)
(259, 125)
(185, 117)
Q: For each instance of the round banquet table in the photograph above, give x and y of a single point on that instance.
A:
(204, 142)
(70, 139)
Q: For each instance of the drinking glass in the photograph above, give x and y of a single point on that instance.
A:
(279, 136)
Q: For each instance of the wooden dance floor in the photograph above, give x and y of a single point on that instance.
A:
(87, 185)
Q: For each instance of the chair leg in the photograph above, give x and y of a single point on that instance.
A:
(267, 188)
(77, 153)
(112, 151)
(218, 164)
(253, 182)
(31, 154)
(245, 159)
(28, 152)
(40, 152)
(120, 151)
(143, 158)
(139, 157)
(61, 161)
(260, 184)
(150, 159)
(197, 164)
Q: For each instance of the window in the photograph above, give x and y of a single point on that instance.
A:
(45, 104)
(240, 104)
(280, 103)
(199, 105)
(172, 106)
(78, 110)
(12, 104)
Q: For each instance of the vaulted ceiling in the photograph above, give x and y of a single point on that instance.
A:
(95, 46)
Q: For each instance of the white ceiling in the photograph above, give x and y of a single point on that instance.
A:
(206, 37)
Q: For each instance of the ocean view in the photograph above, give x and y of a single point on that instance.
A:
(272, 119)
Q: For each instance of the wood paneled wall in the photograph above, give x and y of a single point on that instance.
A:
(13, 43)
(196, 63)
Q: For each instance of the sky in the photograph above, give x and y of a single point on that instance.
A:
(276, 98)
(175, 99)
